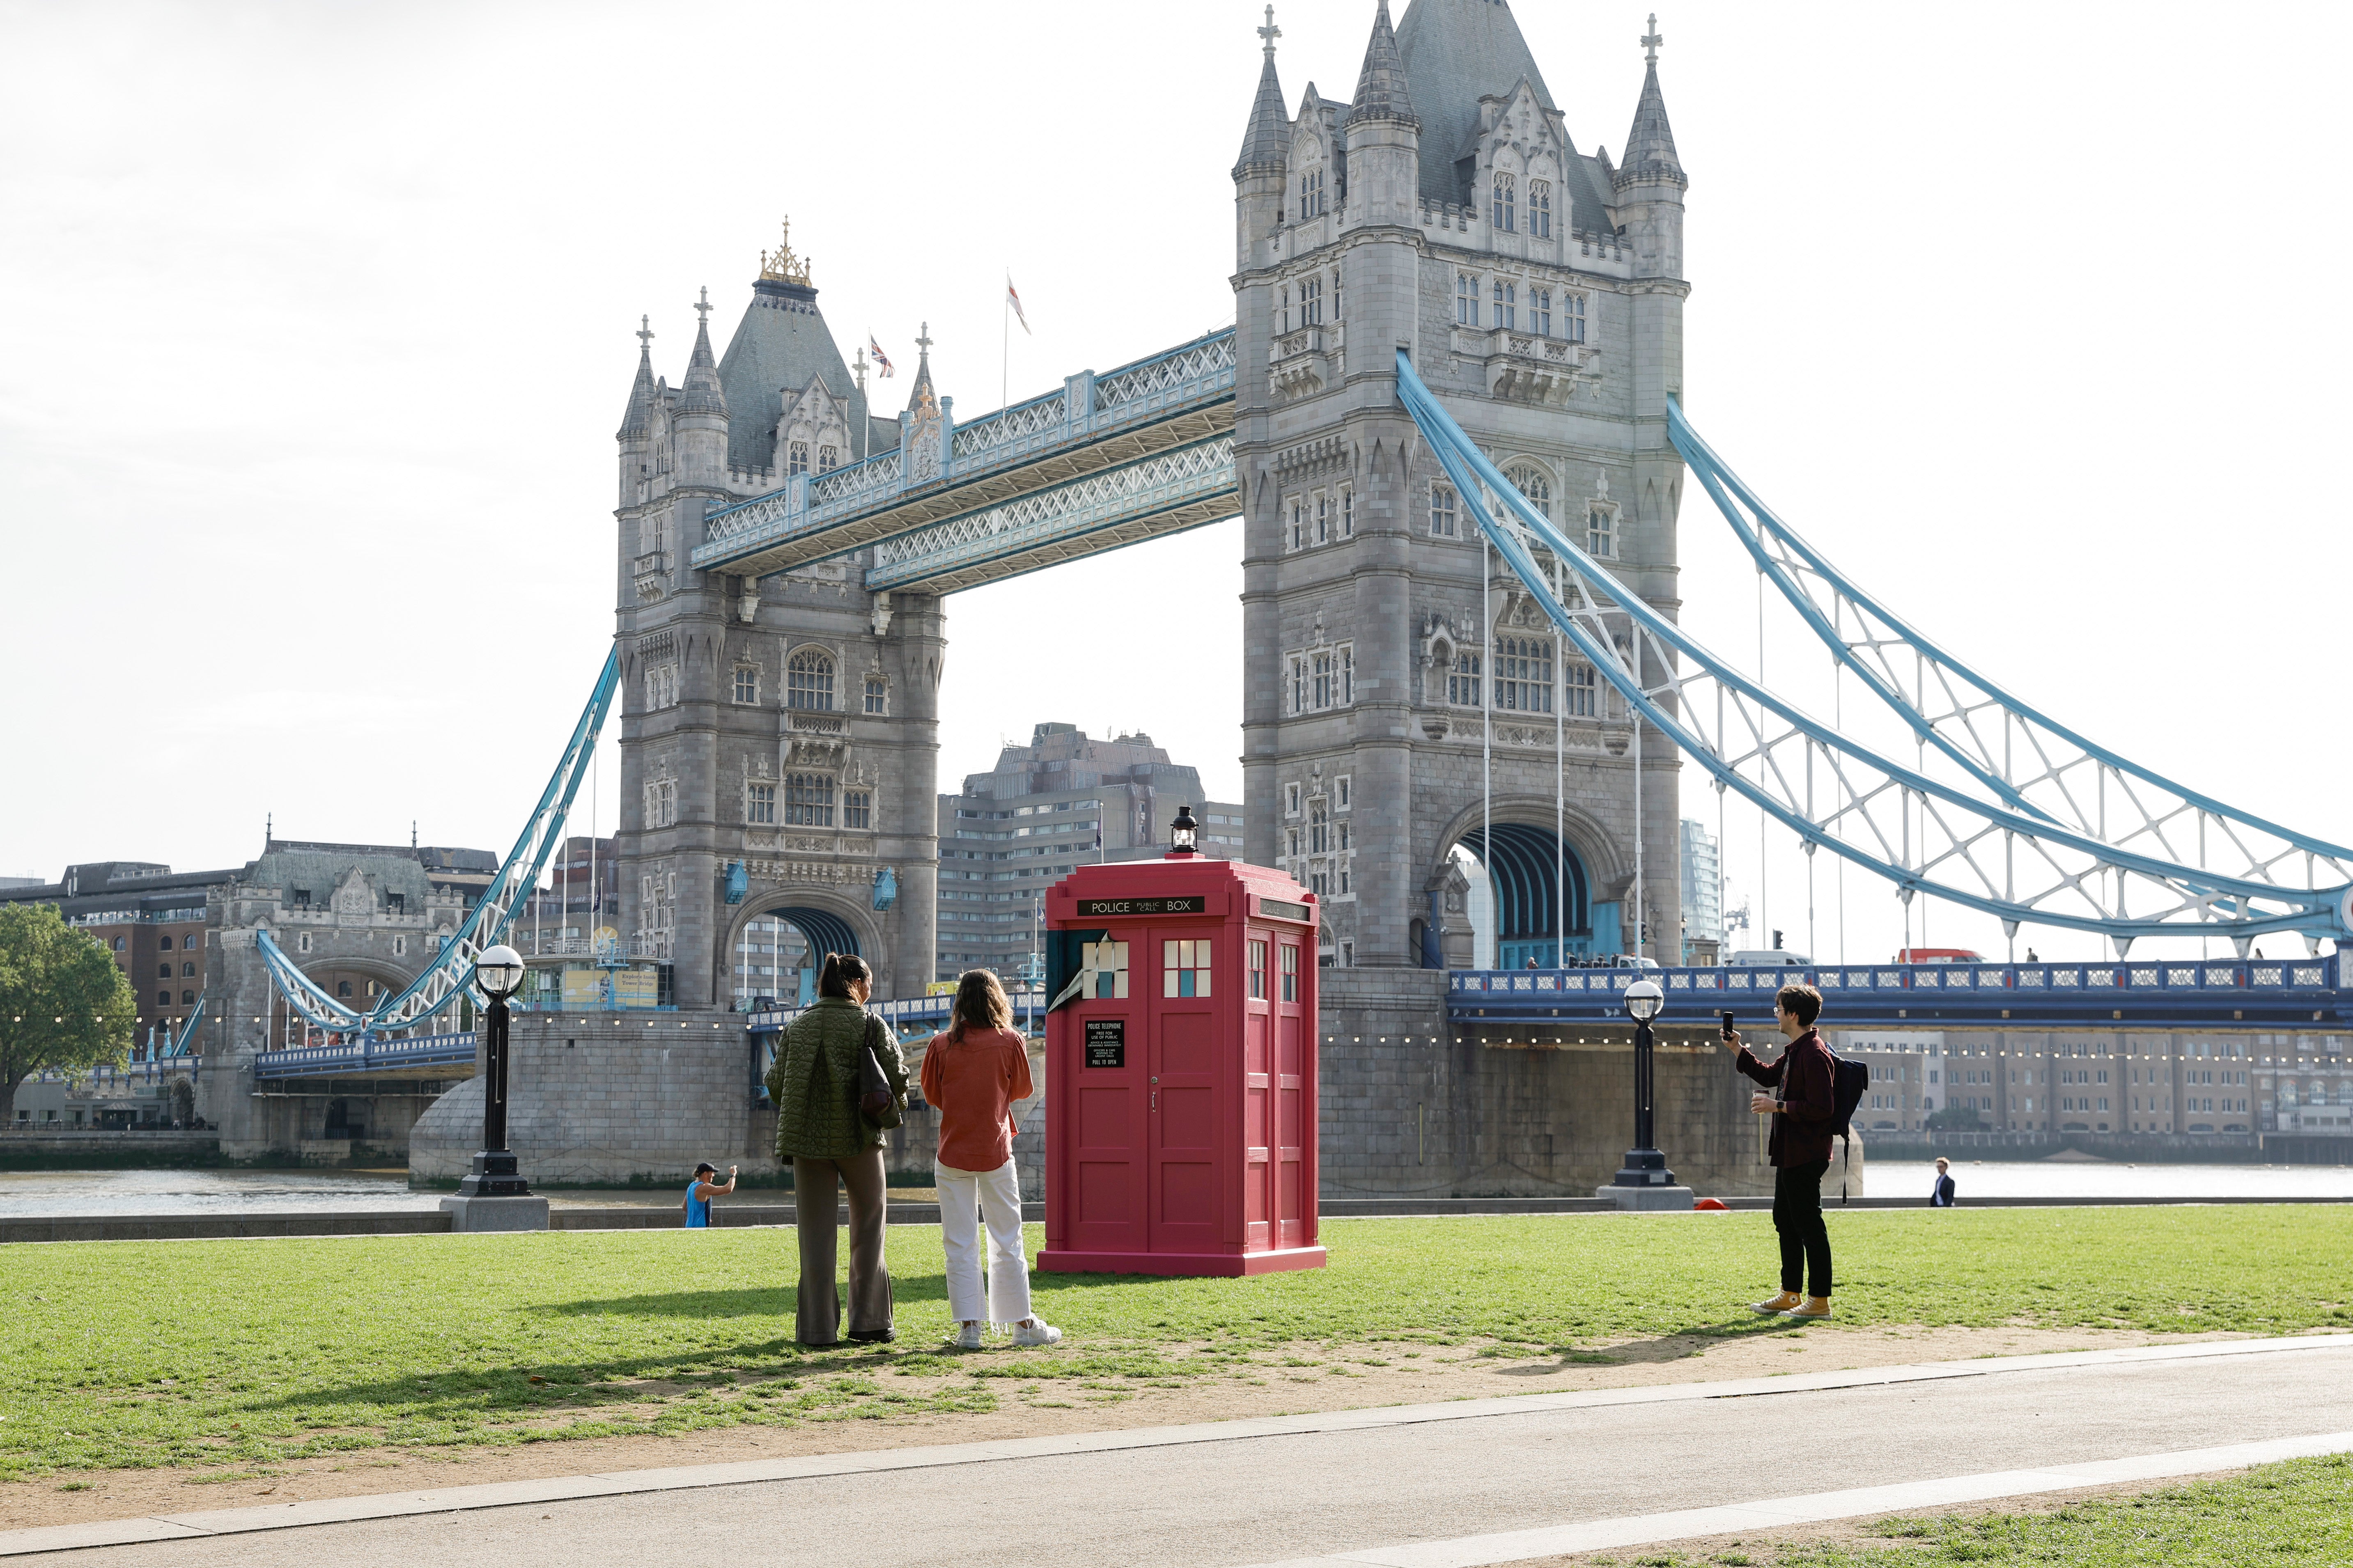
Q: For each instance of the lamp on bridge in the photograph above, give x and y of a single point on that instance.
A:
(1643, 1182)
(1184, 834)
(494, 1195)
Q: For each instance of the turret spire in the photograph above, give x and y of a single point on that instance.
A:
(636, 420)
(1650, 144)
(700, 393)
(1266, 145)
(1381, 87)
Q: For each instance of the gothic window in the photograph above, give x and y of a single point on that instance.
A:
(661, 685)
(1298, 685)
(1347, 673)
(856, 809)
(1505, 197)
(1581, 701)
(1285, 292)
(796, 459)
(1600, 533)
(1441, 511)
(1572, 317)
(1319, 826)
(1532, 483)
(1540, 209)
(759, 805)
(1540, 311)
(1507, 301)
(1310, 194)
(1466, 298)
(828, 460)
(1336, 293)
(1347, 514)
(747, 683)
(808, 800)
(1291, 802)
(1462, 680)
(1298, 523)
(808, 681)
(1323, 518)
(878, 694)
(1326, 678)
(661, 803)
(1523, 675)
(1311, 301)
(1344, 792)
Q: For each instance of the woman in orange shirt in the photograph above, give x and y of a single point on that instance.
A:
(973, 1073)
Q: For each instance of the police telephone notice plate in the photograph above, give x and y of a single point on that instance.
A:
(1106, 1042)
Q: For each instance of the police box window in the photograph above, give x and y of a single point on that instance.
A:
(1185, 967)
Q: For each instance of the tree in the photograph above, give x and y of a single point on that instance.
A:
(1954, 1119)
(63, 1001)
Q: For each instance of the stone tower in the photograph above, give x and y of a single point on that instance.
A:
(1391, 712)
(778, 735)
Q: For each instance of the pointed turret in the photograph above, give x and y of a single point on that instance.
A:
(636, 420)
(701, 394)
(1380, 86)
(1266, 145)
(1650, 144)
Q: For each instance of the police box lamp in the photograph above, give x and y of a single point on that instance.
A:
(1184, 834)
(1643, 1000)
(499, 972)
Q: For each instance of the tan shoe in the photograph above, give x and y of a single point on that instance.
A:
(1813, 1310)
(1777, 1305)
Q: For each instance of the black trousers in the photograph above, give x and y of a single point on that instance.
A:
(1797, 1215)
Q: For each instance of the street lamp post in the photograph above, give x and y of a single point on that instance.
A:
(1643, 1182)
(494, 1195)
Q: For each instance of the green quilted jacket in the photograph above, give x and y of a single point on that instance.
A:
(814, 1083)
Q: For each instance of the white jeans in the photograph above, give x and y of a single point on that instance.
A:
(996, 1194)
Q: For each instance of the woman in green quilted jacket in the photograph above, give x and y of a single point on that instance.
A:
(823, 1129)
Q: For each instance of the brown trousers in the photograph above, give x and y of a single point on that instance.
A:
(819, 1319)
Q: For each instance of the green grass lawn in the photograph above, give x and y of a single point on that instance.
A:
(229, 1354)
(2293, 1515)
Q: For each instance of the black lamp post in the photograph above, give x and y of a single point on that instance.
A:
(496, 1174)
(1184, 834)
(1644, 1166)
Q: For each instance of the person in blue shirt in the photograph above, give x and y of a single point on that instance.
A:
(699, 1194)
(1940, 1196)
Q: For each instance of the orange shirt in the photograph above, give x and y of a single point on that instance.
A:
(973, 1084)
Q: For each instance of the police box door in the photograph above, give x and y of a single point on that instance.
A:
(1182, 1098)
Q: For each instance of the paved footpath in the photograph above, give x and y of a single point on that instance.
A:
(1442, 1486)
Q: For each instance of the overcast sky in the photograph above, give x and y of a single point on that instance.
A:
(320, 325)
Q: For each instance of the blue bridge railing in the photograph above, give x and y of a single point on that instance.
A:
(2192, 992)
(366, 1054)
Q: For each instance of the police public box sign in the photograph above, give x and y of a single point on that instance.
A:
(1106, 1042)
(1103, 909)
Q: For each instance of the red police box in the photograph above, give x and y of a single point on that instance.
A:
(1180, 1076)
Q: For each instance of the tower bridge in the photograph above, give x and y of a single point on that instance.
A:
(1449, 412)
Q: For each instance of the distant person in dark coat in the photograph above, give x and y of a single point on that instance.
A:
(1803, 1102)
(1940, 1196)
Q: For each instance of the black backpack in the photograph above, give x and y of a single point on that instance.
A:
(1850, 1081)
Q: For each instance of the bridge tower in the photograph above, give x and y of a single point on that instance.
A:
(1444, 210)
(779, 734)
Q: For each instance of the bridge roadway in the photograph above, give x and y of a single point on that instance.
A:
(1445, 1486)
(1136, 453)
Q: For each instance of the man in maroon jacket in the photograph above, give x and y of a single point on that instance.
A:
(1803, 1105)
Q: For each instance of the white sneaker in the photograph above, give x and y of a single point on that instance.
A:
(1036, 1331)
(966, 1338)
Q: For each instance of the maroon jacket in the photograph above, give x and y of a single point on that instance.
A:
(1801, 1127)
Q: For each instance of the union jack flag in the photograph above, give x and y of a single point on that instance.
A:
(881, 360)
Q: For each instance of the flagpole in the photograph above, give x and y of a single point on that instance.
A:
(1005, 344)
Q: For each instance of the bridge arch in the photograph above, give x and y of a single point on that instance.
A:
(776, 940)
(1525, 870)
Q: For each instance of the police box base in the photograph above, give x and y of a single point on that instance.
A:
(1064, 1260)
(1646, 1200)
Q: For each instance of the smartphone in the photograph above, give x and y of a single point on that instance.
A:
(1727, 1025)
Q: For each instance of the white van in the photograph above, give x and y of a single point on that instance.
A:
(1770, 958)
